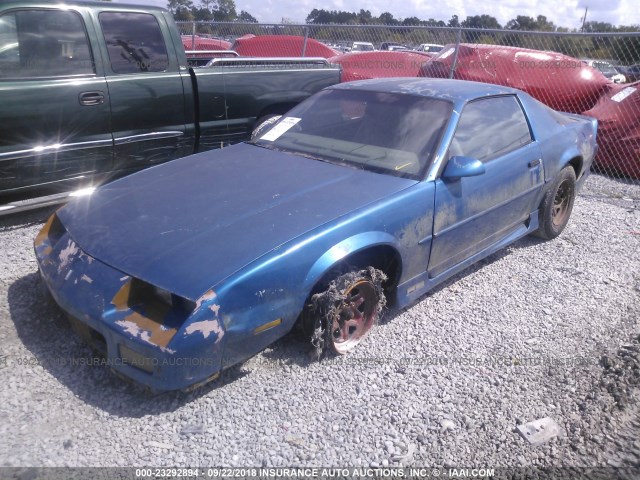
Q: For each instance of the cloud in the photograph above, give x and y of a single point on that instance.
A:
(600, 5)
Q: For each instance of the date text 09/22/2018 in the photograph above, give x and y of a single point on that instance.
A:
(320, 473)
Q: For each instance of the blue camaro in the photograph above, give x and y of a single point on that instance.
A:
(368, 188)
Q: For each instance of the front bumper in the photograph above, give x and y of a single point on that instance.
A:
(154, 349)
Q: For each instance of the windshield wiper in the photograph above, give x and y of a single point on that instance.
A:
(262, 145)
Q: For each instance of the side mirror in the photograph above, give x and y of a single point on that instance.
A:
(458, 167)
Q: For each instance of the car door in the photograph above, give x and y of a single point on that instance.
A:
(475, 213)
(146, 90)
(54, 103)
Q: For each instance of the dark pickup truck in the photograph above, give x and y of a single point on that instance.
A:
(90, 91)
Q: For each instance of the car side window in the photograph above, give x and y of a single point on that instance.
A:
(134, 42)
(43, 43)
(489, 128)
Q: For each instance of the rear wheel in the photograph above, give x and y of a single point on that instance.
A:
(557, 205)
(341, 316)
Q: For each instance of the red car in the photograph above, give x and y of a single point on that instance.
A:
(281, 46)
(191, 42)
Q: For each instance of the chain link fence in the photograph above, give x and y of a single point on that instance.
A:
(590, 74)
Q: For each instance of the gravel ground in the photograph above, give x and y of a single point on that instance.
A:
(537, 330)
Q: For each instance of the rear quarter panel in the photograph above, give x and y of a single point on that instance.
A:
(562, 137)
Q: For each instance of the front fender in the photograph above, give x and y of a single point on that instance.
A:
(345, 248)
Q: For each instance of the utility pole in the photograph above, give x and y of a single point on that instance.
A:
(584, 19)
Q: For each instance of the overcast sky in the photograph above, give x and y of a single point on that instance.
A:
(566, 14)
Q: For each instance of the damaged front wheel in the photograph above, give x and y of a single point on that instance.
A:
(344, 313)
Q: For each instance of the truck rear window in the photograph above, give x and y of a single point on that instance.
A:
(43, 43)
(134, 42)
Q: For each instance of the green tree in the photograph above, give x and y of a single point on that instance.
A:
(591, 27)
(202, 14)
(327, 17)
(176, 5)
(364, 17)
(434, 23)
(209, 4)
(481, 21)
(544, 25)
(225, 11)
(539, 24)
(317, 16)
(411, 21)
(246, 17)
(521, 22)
(181, 9)
(387, 19)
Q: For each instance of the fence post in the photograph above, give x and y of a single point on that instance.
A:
(193, 35)
(455, 54)
(304, 44)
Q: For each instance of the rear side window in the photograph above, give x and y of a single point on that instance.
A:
(490, 128)
(134, 42)
(43, 43)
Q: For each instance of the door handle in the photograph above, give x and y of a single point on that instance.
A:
(91, 98)
(534, 163)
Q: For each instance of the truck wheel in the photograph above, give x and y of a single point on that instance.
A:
(343, 314)
(557, 205)
(263, 124)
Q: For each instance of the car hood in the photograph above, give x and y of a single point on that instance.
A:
(188, 224)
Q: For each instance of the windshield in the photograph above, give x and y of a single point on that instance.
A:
(388, 133)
